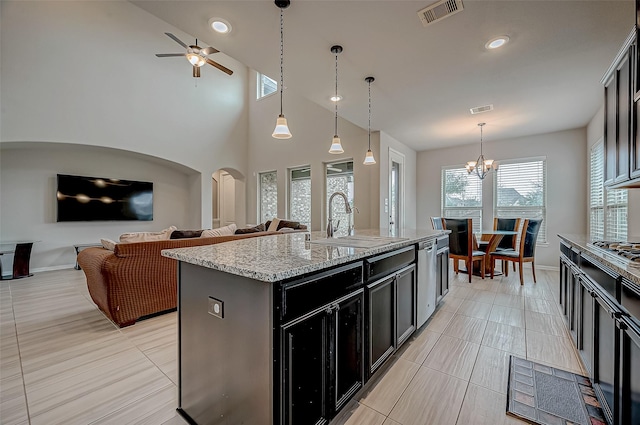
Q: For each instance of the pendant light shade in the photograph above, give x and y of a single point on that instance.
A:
(336, 145)
(282, 129)
(368, 158)
(481, 167)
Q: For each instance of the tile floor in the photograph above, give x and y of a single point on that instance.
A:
(63, 362)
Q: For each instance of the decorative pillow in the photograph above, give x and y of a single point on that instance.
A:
(258, 228)
(286, 223)
(184, 234)
(108, 244)
(147, 236)
(286, 230)
(221, 231)
(273, 226)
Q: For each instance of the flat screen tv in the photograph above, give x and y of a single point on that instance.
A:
(82, 198)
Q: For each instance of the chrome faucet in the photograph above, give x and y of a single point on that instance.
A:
(347, 209)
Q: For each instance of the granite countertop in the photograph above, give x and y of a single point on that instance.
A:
(277, 257)
(617, 263)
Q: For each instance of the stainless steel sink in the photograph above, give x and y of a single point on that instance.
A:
(358, 241)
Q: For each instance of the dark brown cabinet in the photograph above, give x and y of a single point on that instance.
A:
(622, 156)
(442, 268)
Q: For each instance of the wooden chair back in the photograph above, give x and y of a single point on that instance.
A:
(438, 223)
(507, 241)
(461, 236)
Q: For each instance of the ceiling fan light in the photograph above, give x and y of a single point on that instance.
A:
(195, 59)
(336, 145)
(369, 159)
(282, 129)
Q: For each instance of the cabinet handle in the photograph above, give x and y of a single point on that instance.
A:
(329, 310)
(336, 306)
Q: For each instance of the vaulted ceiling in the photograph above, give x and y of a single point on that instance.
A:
(547, 78)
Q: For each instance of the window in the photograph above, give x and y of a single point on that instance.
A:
(268, 192)
(266, 86)
(520, 191)
(613, 205)
(340, 179)
(300, 195)
(462, 196)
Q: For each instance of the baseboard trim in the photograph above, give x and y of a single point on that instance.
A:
(52, 268)
(552, 268)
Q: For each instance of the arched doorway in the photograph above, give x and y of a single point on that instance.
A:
(228, 198)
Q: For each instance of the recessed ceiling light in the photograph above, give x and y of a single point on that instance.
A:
(494, 43)
(220, 25)
(336, 98)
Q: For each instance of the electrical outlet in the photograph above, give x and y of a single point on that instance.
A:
(216, 308)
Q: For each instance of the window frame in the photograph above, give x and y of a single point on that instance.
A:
(261, 219)
(260, 86)
(477, 221)
(543, 237)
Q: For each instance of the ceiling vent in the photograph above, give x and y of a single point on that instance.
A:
(481, 109)
(439, 10)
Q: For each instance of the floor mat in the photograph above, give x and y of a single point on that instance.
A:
(549, 396)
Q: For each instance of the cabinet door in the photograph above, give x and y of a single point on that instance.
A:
(574, 302)
(623, 106)
(305, 363)
(405, 304)
(630, 373)
(606, 353)
(565, 276)
(348, 376)
(585, 324)
(610, 131)
(442, 274)
(635, 142)
(382, 302)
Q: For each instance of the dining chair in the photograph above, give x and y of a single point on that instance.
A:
(525, 252)
(507, 241)
(437, 223)
(461, 245)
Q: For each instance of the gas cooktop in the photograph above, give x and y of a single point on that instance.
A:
(629, 250)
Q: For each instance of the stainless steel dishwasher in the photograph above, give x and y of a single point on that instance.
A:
(426, 281)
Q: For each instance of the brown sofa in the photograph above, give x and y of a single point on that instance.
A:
(135, 280)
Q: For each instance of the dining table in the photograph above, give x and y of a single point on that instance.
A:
(494, 236)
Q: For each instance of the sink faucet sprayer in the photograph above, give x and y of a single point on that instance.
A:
(347, 209)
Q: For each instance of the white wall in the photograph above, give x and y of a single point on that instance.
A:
(312, 129)
(28, 188)
(410, 180)
(595, 131)
(566, 174)
(86, 73)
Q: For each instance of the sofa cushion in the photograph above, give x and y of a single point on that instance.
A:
(285, 223)
(108, 244)
(259, 228)
(184, 234)
(147, 236)
(220, 231)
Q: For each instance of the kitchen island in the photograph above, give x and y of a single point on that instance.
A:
(599, 295)
(282, 330)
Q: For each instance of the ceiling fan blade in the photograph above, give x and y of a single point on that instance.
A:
(176, 39)
(169, 55)
(220, 67)
(209, 51)
(196, 71)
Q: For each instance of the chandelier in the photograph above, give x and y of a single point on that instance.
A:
(481, 166)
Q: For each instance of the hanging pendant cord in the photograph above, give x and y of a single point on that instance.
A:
(336, 102)
(369, 127)
(480, 140)
(281, 58)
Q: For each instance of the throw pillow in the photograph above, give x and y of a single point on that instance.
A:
(286, 230)
(184, 234)
(147, 236)
(108, 244)
(221, 231)
(273, 226)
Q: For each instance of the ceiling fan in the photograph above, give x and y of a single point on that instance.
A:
(196, 55)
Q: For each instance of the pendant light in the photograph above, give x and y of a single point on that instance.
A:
(282, 129)
(369, 159)
(481, 166)
(336, 145)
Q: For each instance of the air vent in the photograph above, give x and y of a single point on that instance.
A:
(439, 10)
(481, 109)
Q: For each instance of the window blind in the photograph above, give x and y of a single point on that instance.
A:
(462, 196)
(596, 193)
(266, 86)
(300, 195)
(616, 225)
(520, 191)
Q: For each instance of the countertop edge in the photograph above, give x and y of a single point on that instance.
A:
(617, 264)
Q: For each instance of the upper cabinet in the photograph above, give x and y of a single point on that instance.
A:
(621, 115)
